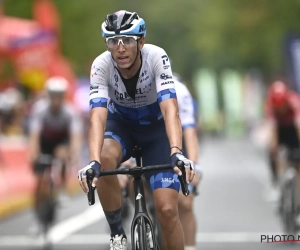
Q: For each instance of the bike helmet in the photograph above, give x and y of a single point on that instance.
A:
(278, 93)
(56, 84)
(123, 23)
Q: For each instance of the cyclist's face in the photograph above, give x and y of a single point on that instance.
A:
(124, 49)
(56, 100)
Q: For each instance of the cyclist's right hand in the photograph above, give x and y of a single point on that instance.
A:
(82, 175)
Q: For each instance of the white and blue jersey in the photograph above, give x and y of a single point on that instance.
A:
(185, 104)
(155, 84)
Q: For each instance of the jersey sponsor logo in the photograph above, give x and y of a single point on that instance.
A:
(94, 87)
(95, 71)
(165, 60)
(142, 28)
(94, 92)
(144, 77)
(168, 180)
(139, 92)
(116, 78)
(165, 77)
(168, 82)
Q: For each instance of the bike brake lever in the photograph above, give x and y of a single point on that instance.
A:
(90, 174)
(182, 179)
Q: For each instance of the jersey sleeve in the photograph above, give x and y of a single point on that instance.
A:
(295, 103)
(186, 107)
(99, 83)
(269, 116)
(36, 116)
(163, 76)
(76, 124)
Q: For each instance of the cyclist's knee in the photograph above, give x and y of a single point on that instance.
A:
(62, 153)
(167, 214)
(166, 203)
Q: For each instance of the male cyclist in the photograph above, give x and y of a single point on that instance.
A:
(283, 115)
(191, 147)
(55, 130)
(142, 111)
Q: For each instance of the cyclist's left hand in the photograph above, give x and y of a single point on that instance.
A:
(188, 164)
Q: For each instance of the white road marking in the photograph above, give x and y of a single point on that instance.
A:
(76, 223)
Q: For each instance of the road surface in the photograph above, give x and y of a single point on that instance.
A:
(232, 211)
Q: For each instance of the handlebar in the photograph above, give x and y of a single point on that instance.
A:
(90, 174)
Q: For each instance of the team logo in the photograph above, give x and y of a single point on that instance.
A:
(165, 77)
(95, 71)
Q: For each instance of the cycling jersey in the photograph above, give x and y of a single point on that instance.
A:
(54, 128)
(185, 103)
(155, 84)
(288, 114)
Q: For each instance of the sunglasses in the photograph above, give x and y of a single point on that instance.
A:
(126, 41)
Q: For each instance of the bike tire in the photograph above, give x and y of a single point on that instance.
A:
(46, 211)
(289, 203)
(139, 235)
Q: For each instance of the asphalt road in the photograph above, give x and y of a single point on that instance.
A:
(232, 211)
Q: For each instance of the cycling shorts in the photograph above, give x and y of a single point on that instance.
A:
(288, 136)
(48, 145)
(154, 144)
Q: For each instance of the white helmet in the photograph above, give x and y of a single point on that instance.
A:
(56, 84)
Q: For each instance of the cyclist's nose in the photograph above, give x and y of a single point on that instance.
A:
(121, 47)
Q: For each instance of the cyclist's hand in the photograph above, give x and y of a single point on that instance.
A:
(188, 164)
(82, 175)
(198, 176)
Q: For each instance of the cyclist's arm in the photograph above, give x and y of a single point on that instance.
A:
(35, 125)
(76, 137)
(272, 126)
(98, 108)
(167, 100)
(187, 117)
(96, 134)
(295, 102)
(169, 109)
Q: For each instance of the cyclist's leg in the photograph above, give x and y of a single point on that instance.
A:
(117, 147)
(276, 138)
(165, 185)
(187, 218)
(42, 183)
(62, 156)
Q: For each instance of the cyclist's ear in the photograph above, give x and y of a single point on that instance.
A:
(106, 45)
(141, 42)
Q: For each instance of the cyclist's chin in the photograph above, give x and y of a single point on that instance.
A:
(124, 65)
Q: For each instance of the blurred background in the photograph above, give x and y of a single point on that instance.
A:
(228, 52)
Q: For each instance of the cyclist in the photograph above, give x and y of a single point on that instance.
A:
(283, 115)
(54, 129)
(142, 111)
(191, 147)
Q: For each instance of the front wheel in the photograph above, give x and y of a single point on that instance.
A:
(140, 235)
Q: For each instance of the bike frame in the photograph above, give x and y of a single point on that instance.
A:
(140, 204)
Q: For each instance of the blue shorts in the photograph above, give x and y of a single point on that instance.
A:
(154, 144)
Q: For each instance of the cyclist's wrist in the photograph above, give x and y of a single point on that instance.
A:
(175, 149)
